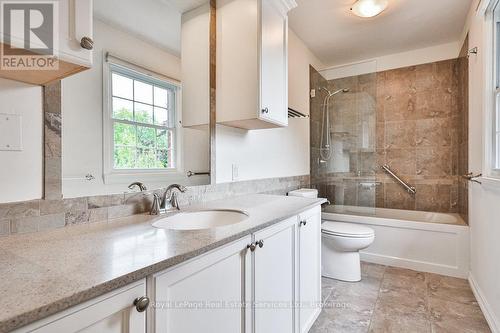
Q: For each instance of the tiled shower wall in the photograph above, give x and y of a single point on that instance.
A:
(413, 119)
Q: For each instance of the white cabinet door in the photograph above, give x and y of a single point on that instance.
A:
(111, 313)
(309, 267)
(205, 294)
(75, 22)
(274, 71)
(274, 278)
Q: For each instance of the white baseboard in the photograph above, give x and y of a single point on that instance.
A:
(484, 305)
(420, 266)
(312, 321)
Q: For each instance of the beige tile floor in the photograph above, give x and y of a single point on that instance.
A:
(392, 299)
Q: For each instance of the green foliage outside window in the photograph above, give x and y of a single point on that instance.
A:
(139, 147)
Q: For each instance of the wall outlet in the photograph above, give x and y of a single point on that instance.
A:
(313, 93)
(235, 172)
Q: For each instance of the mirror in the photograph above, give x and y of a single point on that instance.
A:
(141, 113)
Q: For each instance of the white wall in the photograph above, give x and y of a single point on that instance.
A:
(299, 59)
(21, 172)
(392, 61)
(83, 114)
(483, 199)
(269, 153)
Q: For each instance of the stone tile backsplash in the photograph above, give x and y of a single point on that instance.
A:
(40, 215)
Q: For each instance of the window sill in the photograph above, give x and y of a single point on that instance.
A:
(490, 183)
(146, 177)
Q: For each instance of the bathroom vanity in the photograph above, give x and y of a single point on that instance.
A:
(130, 276)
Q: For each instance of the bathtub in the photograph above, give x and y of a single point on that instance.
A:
(424, 241)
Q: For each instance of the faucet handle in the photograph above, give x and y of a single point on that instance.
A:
(155, 207)
(174, 201)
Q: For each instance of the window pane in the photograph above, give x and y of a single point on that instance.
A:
(123, 109)
(146, 158)
(161, 117)
(122, 86)
(124, 158)
(124, 134)
(143, 113)
(162, 141)
(161, 97)
(146, 137)
(143, 92)
(163, 159)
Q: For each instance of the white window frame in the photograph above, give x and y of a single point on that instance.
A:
(493, 129)
(125, 176)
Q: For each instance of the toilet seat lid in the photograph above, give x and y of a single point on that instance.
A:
(346, 229)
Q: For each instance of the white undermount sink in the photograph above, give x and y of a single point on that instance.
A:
(199, 220)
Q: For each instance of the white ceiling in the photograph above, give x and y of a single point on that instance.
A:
(337, 37)
(156, 21)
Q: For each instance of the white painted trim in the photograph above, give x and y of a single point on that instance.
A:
(112, 176)
(492, 184)
(493, 322)
(421, 266)
(311, 322)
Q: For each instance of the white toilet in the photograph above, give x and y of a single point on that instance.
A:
(340, 245)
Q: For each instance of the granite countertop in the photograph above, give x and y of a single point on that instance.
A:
(47, 272)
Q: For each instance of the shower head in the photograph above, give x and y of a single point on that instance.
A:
(330, 94)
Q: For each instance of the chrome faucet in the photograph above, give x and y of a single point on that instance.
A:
(169, 202)
(170, 197)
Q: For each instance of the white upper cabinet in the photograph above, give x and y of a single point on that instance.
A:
(76, 33)
(252, 52)
(59, 42)
(195, 66)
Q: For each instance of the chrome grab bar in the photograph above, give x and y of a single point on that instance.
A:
(191, 173)
(412, 190)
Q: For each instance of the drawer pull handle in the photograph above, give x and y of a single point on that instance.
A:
(141, 303)
(253, 246)
(87, 43)
(303, 223)
(265, 110)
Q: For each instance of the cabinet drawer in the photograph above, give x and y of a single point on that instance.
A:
(111, 313)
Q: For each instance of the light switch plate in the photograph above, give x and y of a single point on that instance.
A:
(11, 132)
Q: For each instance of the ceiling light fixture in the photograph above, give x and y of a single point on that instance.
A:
(369, 8)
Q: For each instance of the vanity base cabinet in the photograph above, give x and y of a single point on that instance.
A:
(274, 278)
(205, 294)
(111, 313)
(269, 281)
(309, 263)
